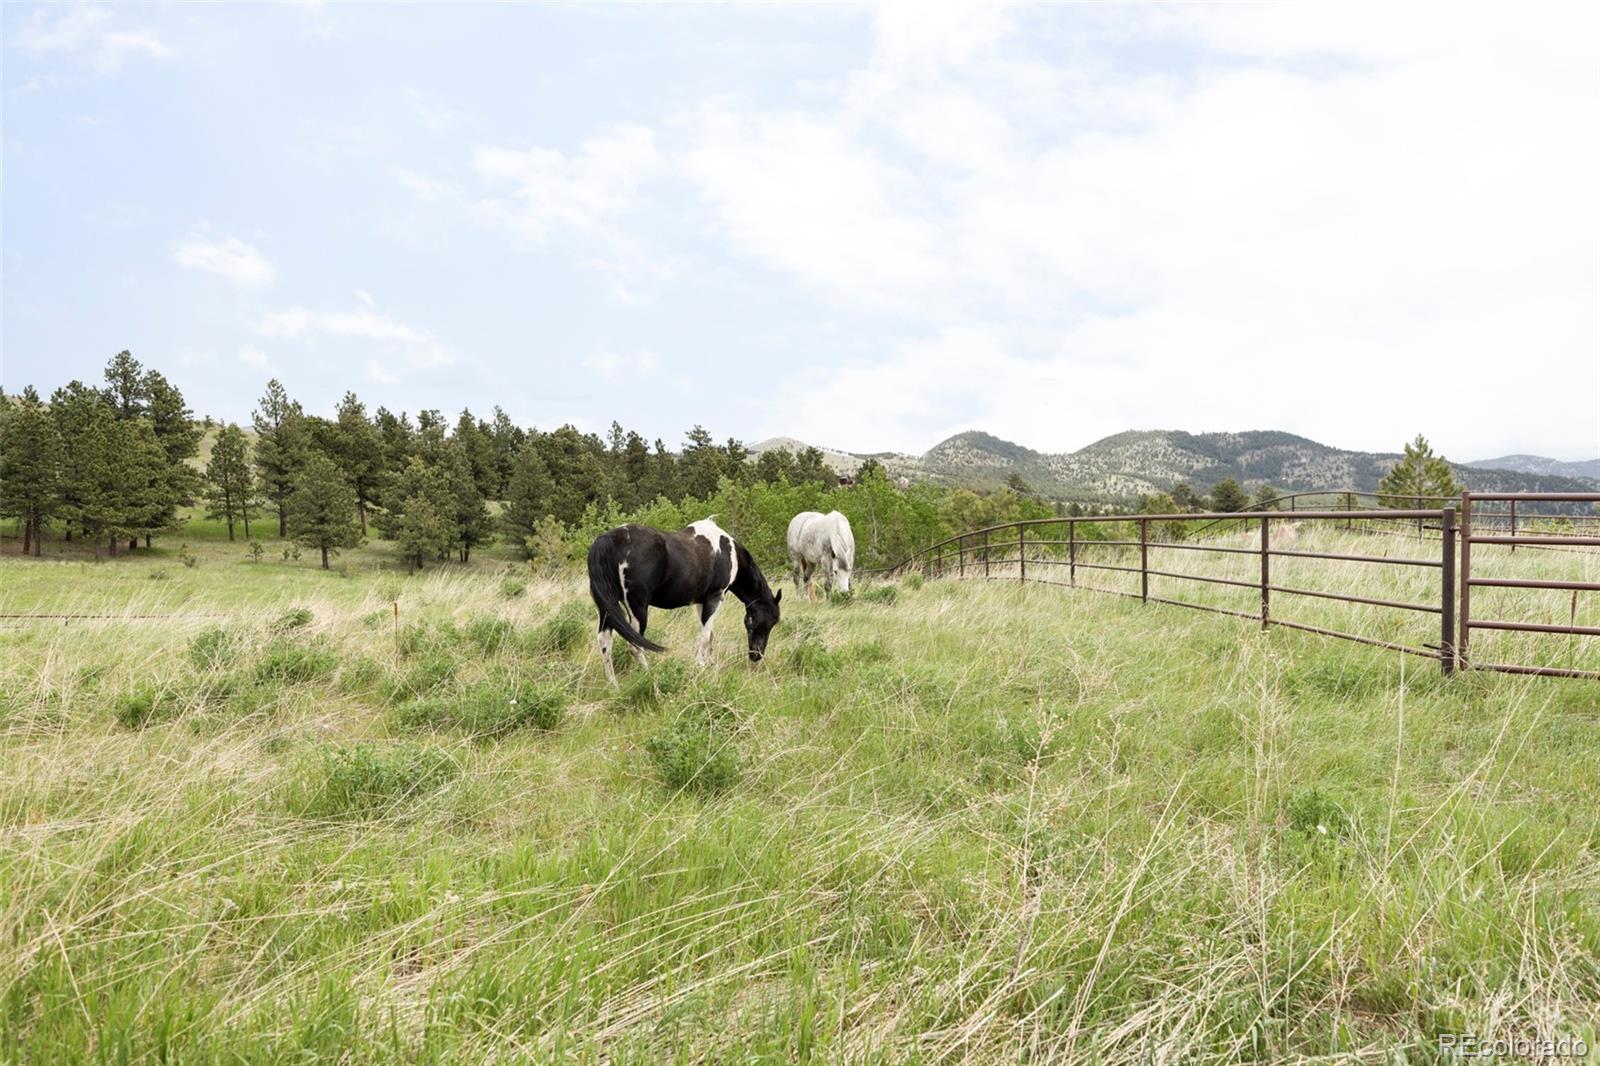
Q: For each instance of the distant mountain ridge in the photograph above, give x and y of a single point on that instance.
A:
(1538, 464)
(1127, 465)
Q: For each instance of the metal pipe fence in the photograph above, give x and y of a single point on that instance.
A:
(1034, 545)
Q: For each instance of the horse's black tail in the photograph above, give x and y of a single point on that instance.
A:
(605, 585)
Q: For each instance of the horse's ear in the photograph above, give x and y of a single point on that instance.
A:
(779, 597)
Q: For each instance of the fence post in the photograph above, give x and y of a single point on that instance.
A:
(961, 554)
(1513, 524)
(1265, 571)
(1144, 560)
(1447, 592)
(1464, 622)
(1072, 554)
(1022, 555)
(986, 554)
(1349, 505)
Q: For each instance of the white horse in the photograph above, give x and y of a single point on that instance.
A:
(822, 540)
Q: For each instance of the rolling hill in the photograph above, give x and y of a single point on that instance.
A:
(1127, 465)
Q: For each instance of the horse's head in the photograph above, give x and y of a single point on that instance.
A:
(760, 615)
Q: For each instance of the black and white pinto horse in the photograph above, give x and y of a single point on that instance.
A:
(633, 568)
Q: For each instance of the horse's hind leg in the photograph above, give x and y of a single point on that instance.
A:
(605, 652)
(799, 573)
(641, 616)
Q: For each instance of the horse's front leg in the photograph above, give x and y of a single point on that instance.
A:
(827, 577)
(708, 612)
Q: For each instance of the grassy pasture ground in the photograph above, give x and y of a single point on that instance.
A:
(944, 822)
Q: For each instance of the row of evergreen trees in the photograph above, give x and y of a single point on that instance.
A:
(114, 463)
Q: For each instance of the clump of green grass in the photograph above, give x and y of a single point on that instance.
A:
(810, 657)
(655, 685)
(367, 779)
(419, 638)
(696, 752)
(293, 618)
(912, 581)
(563, 631)
(490, 709)
(360, 674)
(289, 663)
(1315, 813)
(213, 648)
(423, 677)
(512, 587)
(839, 598)
(881, 594)
(143, 704)
(489, 635)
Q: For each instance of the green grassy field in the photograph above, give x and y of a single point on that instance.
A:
(372, 816)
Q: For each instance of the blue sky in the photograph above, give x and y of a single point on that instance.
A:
(868, 227)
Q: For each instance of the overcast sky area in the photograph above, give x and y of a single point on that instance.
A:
(865, 227)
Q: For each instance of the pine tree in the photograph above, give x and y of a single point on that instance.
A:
(359, 450)
(418, 514)
(701, 467)
(83, 416)
(527, 496)
(1226, 495)
(470, 520)
(506, 439)
(30, 468)
(229, 484)
(322, 508)
(472, 439)
(1266, 498)
(281, 445)
(774, 465)
(125, 385)
(147, 492)
(1420, 479)
(811, 468)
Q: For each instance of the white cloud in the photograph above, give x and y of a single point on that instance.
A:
(85, 31)
(420, 185)
(616, 366)
(540, 190)
(419, 348)
(1397, 209)
(227, 257)
(252, 356)
(377, 372)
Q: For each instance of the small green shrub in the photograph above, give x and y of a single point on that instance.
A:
(293, 618)
(159, 575)
(490, 635)
(418, 639)
(512, 587)
(695, 752)
(256, 551)
(912, 581)
(367, 779)
(841, 599)
(212, 648)
(285, 662)
(882, 594)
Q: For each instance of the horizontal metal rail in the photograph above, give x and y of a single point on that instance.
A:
(1395, 559)
(1521, 583)
(1534, 627)
(1588, 542)
(1398, 605)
